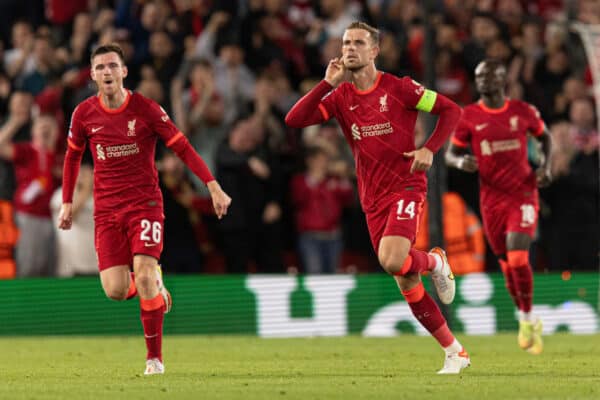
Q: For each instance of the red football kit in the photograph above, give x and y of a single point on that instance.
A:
(128, 203)
(379, 123)
(508, 189)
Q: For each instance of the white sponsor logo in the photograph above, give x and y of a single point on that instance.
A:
(120, 150)
(131, 128)
(371, 130)
(94, 130)
(480, 126)
(498, 146)
(383, 103)
(150, 336)
(352, 108)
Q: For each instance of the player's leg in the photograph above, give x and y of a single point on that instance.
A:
(508, 280)
(114, 260)
(152, 309)
(116, 282)
(405, 264)
(530, 328)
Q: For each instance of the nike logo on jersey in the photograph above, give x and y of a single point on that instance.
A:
(94, 130)
(352, 108)
(480, 126)
(150, 244)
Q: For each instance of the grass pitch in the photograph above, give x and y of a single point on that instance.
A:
(200, 367)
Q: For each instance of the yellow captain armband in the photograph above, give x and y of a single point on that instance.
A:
(427, 101)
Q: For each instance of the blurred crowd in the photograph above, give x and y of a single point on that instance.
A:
(227, 72)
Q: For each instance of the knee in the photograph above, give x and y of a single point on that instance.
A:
(393, 261)
(144, 280)
(116, 292)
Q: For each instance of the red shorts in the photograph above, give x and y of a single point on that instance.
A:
(121, 236)
(399, 215)
(519, 215)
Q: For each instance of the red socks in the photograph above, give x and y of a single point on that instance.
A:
(428, 314)
(521, 276)
(417, 261)
(152, 312)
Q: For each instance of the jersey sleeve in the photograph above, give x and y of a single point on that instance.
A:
(329, 104)
(162, 124)
(462, 135)
(535, 124)
(416, 96)
(76, 138)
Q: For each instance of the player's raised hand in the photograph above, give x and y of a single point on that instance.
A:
(422, 159)
(220, 199)
(543, 176)
(336, 72)
(468, 163)
(65, 216)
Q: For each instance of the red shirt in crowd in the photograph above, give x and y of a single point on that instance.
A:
(318, 205)
(35, 180)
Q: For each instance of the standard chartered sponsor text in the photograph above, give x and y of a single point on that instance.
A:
(122, 150)
(377, 129)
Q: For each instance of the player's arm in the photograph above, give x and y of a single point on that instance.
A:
(422, 99)
(178, 143)
(543, 172)
(75, 147)
(309, 110)
(537, 128)
(458, 154)
(459, 157)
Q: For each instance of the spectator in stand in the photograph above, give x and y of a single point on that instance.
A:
(318, 199)
(165, 60)
(17, 126)
(75, 247)
(248, 170)
(484, 30)
(183, 208)
(571, 228)
(37, 172)
(19, 60)
(201, 110)
(233, 79)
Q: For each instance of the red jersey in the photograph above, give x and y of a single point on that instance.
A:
(379, 123)
(123, 142)
(318, 205)
(498, 138)
(35, 181)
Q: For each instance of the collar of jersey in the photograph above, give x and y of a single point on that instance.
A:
(115, 110)
(493, 110)
(372, 88)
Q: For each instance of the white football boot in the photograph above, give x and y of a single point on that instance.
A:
(443, 278)
(154, 366)
(455, 362)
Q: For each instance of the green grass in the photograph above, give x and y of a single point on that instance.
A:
(200, 367)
